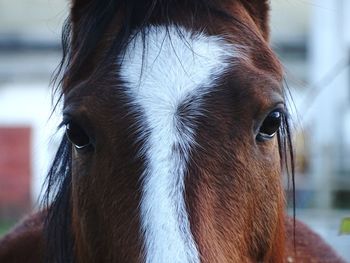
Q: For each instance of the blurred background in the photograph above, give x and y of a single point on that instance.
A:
(312, 39)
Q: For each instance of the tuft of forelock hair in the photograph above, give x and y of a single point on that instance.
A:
(82, 31)
(286, 151)
(58, 236)
(89, 20)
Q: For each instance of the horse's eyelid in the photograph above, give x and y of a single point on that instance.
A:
(285, 113)
(64, 122)
(283, 110)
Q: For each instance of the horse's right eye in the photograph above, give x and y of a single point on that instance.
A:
(77, 136)
(270, 125)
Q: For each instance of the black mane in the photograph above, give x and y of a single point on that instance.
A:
(78, 43)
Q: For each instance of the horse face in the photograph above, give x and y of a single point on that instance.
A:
(175, 148)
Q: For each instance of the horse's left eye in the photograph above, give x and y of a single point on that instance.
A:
(270, 126)
(77, 136)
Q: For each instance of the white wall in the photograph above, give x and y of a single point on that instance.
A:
(290, 20)
(35, 19)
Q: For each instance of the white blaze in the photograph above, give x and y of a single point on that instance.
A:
(158, 79)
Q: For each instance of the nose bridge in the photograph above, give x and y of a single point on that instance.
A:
(165, 80)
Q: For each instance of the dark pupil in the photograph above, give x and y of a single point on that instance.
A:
(272, 123)
(76, 135)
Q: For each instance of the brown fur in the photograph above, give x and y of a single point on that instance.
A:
(24, 243)
(234, 193)
(309, 246)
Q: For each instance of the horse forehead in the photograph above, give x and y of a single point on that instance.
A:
(161, 69)
(169, 62)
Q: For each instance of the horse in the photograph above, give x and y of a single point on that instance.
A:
(177, 135)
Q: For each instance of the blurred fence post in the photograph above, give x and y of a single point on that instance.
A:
(346, 28)
(327, 49)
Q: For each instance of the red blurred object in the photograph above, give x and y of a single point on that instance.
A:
(15, 171)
